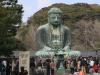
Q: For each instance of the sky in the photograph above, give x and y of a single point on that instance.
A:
(32, 6)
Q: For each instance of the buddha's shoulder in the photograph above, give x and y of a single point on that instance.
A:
(43, 27)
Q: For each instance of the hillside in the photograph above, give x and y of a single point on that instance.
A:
(83, 20)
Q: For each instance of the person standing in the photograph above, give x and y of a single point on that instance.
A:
(23, 72)
(8, 68)
(53, 67)
(81, 72)
(48, 66)
(3, 71)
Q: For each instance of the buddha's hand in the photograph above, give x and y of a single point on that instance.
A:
(66, 48)
(47, 48)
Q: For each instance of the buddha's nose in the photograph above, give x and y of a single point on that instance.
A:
(56, 19)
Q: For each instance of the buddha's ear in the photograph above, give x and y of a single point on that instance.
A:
(48, 19)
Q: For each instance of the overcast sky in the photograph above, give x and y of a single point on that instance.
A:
(32, 6)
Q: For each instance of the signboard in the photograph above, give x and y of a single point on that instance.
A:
(24, 60)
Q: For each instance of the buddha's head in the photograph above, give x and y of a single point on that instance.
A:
(55, 16)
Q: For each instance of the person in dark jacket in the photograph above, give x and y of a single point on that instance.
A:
(23, 72)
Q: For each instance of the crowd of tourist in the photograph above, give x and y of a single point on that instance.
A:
(73, 66)
(52, 66)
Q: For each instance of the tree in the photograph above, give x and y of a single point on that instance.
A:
(10, 17)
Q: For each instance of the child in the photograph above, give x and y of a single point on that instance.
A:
(81, 72)
(91, 71)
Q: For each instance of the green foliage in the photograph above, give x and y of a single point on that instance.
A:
(10, 17)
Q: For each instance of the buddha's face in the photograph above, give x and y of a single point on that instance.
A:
(55, 19)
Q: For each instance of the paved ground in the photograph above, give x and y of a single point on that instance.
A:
(62, 72)
(71, 74)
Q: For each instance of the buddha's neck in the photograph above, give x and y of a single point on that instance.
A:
(55, 28)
